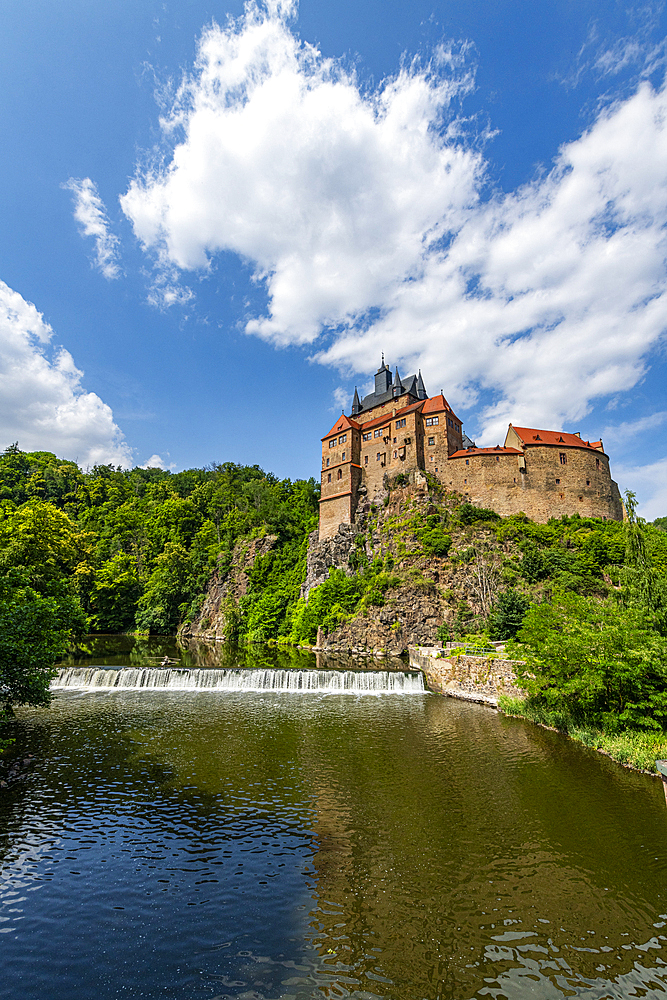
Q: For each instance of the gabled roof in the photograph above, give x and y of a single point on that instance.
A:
(467, 452)
(341, 424)
(436, 404)
(535, 436)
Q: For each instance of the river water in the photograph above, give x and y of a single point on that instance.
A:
(251, 844)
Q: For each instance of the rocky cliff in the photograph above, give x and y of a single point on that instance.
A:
(225, 590)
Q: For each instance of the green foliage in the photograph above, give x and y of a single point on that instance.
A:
(34, 631)
(434, 540)
(339, 598)
(593, 661)
(507, 614)
(467, 513)
(138, 547)
(661, 523)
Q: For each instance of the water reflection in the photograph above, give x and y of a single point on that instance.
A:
(272, 846)
(149, 651)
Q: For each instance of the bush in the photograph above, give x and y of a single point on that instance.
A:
(468, 514)
(507, 614)
(599, 664)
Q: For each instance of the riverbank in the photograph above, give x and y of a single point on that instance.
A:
(491, 681)
(631, 748)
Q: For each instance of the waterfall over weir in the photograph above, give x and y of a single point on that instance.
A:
(194, 679)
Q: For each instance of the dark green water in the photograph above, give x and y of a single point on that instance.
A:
(254, 846)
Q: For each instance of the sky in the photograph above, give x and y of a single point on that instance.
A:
(217, 216)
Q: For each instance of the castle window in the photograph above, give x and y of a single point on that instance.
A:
(467, 461)
(395, 440)
(563, 458)
(328, 460)
(329, 478)
(340, 473)
(597, 465)
(343, 459)
(332, 443)
(367, 437)
(377, 432)
(432, 421)
(431, 458)
(558, 482)
(365, 459)
(497, 458)
(378, 457)
(342, 439)
(588, 482)
(431, 440)
(465, 480)
(395, 454)
(400, 423)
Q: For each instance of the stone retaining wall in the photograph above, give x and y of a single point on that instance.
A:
(472, 678)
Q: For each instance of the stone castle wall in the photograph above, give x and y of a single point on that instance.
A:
(537, 483)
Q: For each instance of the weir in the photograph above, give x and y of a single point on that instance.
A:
(374, 682)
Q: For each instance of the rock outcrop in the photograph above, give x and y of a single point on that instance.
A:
(330, 553)
(225, 590)
(409, 617)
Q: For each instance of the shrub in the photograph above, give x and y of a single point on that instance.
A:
(468, 514)
(507, 615)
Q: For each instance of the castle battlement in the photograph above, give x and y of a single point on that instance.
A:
(398, 428)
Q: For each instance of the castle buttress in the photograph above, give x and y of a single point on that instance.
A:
(398, 428)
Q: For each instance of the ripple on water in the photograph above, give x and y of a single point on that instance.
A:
(277, 847)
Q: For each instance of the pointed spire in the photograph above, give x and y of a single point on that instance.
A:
(356, 405)
(421, 391)
(397, 387)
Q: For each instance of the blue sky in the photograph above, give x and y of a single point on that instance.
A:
(215, 218)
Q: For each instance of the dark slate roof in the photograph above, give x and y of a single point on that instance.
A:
(410, 387)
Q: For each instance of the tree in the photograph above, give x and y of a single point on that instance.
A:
(507, 614)
(34, 632)
(594, 661)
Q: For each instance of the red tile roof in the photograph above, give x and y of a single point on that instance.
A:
(467, 452)
(532, 435)
(341, 424)
(436, 404)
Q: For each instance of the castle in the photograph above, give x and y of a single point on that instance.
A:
(398, 428)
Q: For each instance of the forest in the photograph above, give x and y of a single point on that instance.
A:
(113, 550)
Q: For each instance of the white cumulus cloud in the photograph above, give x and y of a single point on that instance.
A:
(43, 405)
(91, 214)
(333, 195)
(365, 215)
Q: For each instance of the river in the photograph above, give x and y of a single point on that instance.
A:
(261, 844)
